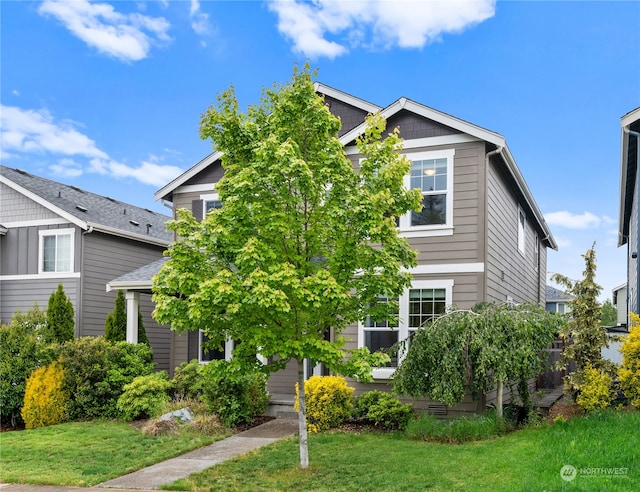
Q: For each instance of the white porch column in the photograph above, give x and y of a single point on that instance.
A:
(133, 302)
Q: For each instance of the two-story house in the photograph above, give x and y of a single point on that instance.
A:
(480, 236)
(53, 233)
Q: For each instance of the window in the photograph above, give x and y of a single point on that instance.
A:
(431, 173)
(207, 355)
(522, 221)
(56, 251)
(425, 300)
(536, 252)
(210, 202)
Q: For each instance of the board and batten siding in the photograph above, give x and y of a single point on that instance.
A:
(510, 274)
(105, 258)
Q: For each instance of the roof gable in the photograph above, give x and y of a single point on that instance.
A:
(89, 210)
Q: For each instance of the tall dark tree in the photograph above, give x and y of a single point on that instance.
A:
(115, 326)
(60, 318)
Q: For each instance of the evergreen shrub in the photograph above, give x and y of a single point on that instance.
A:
(382, 410)
(145, 396)
(596, 390)
(45, 401)
(327, 400)
(629, 372)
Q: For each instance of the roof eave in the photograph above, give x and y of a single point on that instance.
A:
(129, 235)
(624, 213)
(168, 189)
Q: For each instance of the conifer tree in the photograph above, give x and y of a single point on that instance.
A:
(60, 318)
(115, 327)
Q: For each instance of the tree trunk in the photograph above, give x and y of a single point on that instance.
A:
(302, 418)
(499, 398)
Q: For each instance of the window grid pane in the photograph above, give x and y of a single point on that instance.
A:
(425, 305)
(212, 204)
(49, 254)
(63, 253)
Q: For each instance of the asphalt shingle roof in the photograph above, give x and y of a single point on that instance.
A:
(91, 208)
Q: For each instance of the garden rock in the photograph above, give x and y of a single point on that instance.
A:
(184, 415)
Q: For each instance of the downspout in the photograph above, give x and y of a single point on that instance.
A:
(80, 312)
(637, 135)
(497, 151)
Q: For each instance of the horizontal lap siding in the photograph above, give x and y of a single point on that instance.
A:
(106, 258)
(23, 294)
(521, 279)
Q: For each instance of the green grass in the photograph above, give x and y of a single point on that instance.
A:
(526, 460)
(85, 453)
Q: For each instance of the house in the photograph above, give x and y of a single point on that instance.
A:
(619, 295)
(556, 300)
(54, 233)
(487, 242)
(629, 219)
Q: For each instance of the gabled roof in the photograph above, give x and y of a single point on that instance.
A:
(420, 109)
(629, 157)
(88, 210)
(557, 295)
(140, 279)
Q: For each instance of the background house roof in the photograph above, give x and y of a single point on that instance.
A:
(89, 210)
(557, 295)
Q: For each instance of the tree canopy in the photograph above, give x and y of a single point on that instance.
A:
(305, 241)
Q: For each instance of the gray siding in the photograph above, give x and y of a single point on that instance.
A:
(107, 257)
(23, 294)
(20, 253)
(350, 116)
(633, 247)
(15, 207)
(413, 126)
(509, 273)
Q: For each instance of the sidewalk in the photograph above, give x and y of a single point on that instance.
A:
(166, 472)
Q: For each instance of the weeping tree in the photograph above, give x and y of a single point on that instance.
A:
(115, 326)
(303, 244)
(476, 350)
(583, 334)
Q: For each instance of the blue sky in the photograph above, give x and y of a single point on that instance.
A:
(107, 96)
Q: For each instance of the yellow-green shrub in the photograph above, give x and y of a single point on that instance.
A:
(629, 372)
(327, 400)
(45, 401)
(595, 391)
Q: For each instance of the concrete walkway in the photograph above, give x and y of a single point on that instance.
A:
(155, 476)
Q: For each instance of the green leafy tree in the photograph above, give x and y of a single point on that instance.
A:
(115, 327)
(583, 334)
(60, 318)
(304, 243)
(477, 350)
(609, 314)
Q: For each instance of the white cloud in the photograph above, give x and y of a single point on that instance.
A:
(199, 20)
(26, 131)
(127, 37)
(35, 131)
(374, 23)
(569, 220)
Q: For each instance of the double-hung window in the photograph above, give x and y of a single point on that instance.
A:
(425, 300)
(432, 174)
(56, 251)
(210, 202)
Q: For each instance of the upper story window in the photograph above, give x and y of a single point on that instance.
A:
(56, 251)
(210, 202)
(522, 222)
(431, 173)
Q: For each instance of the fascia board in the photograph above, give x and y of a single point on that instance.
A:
(46, 204)
(187, 175)
(128, 235)
(346, 98)
(130, 285)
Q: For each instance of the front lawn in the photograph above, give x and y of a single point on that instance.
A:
(603, 449)
(85, 453)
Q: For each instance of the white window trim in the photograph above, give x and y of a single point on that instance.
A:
(42, 233)
(405, 229)
(209, 197)
(403, 329)
(228, 349)
(522, 233)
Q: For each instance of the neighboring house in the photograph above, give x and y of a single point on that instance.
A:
(53, 233)
(556, 300)
(620, 296)
(485, 240)
(628, 224)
